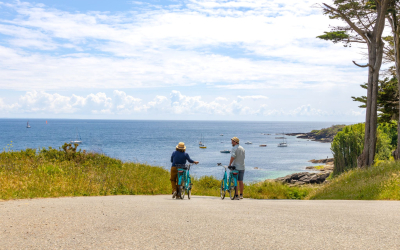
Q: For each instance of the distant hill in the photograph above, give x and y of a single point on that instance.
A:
(323, 135)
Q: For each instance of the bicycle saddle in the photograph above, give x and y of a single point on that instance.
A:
(232, 167)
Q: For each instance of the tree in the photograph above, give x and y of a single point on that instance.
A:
(393, 54)
(388, 100)
(365, 21)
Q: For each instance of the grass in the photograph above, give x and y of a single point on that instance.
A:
(210, 186)
(381, 182)
(56, 173)
(68, 172)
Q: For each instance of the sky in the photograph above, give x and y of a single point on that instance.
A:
(240, 60)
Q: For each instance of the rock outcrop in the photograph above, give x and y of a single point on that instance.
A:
(305, 178)
(326, 161)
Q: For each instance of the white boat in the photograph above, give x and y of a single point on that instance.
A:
(78, 139)
(283, 143)
(27, 125)
(249, 142)
(221, 135)
(202, 145)
(225, 151)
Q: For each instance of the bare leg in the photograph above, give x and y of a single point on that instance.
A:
(241, 186)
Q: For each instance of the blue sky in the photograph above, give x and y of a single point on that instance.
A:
(194, 60)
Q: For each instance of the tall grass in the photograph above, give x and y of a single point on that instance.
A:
(68, 172)
(210, 186)
(56, 173)
(381, 182)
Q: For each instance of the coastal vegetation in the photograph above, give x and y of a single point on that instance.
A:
(364, 23)
(380, 182)
(327, 133)
(71, 172)
(322, 135)
(348, 144)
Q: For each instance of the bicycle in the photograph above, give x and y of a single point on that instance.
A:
(229, 184)
(184, 181)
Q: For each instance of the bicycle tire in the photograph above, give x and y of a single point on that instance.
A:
(182, 189)
(223, 191)
(232, 188)
(189, 193)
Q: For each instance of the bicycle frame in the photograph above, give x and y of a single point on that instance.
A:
(184, 180)
(184, 176)
(233, 175)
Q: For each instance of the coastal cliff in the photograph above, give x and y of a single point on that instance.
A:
(323, 135)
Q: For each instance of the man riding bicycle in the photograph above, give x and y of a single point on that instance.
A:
(237, 160)
(178, 157)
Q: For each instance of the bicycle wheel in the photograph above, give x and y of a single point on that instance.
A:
(223, 191)
(232, 189)
(182, 189)
(189, 193)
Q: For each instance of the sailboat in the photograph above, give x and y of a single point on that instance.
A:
(283, 143)
(201, 144)
(27, 125)
(78, 139)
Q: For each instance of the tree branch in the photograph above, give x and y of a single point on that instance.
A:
(348, 21)
(363, 66)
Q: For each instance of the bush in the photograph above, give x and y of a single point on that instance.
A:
(349, 143)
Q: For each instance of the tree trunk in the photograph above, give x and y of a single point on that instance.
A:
(396, 40)
(375, 54)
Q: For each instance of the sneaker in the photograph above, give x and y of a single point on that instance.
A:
(241, 196)
(237, 197)
(174, 195)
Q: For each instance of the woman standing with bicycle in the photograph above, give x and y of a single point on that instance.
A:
(178, 157)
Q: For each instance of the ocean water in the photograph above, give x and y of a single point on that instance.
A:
(153, 142)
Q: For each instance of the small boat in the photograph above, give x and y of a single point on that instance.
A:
(78, 139)
(263, 145)
(283, 143)
(221, 135)
(225, 151)
(201, 145)
(249, 142)
(27, 125)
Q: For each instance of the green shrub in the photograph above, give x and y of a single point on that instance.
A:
(348, 144)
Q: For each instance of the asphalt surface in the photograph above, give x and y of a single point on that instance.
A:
(158, 222)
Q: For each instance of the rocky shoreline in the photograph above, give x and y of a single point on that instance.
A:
(310, 136)
(320, 175)
(322, 135)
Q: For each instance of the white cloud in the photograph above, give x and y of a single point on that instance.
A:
(122, 104)
(172, 46)
(253, 97)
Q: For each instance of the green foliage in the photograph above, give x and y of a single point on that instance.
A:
(380, 182)
(334, 36)
(348, 145)
(70, 172)
(388, 99)
(327, 132)
(210, 186)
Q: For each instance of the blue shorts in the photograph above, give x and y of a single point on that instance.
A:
(241, 175)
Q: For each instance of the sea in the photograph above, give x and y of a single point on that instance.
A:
(152, 142)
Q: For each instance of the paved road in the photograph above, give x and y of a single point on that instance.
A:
(158, 222)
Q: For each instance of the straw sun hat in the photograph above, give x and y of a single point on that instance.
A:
(181, 145)
(235, 139)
